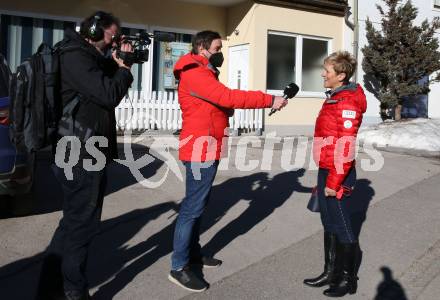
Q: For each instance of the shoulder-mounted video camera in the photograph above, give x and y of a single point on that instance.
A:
(140, 42)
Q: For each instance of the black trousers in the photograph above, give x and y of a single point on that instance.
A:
(82, 209)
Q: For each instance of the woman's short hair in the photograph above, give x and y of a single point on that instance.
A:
(342, 62)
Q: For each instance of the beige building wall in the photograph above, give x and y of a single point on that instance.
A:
(252, 22)
(165, 13)
(246, 23)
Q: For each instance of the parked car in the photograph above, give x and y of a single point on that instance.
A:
(16, 167)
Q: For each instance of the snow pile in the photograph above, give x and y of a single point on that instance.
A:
(415, 134)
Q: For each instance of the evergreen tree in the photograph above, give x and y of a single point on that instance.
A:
(400, 55)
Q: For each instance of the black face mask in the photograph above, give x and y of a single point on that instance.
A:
(216, 59)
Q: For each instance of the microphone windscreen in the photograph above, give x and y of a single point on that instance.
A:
(291, 90)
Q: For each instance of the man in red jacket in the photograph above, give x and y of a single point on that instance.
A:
(206, 105)
(334, 147)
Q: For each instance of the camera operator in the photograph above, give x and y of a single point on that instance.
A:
(92, 85)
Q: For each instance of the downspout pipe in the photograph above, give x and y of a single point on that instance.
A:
(355, 27)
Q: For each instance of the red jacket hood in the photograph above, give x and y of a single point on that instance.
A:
(189, 61)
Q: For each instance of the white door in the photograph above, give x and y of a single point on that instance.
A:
(238, 67)
(239, 79)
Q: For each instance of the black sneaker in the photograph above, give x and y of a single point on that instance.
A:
(206, 262)
(188, 280)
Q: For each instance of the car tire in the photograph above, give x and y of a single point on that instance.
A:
(16, 206)
(22, 205)
(5, 206)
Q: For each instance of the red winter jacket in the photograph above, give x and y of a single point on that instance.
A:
(335, 132)
(206, 104)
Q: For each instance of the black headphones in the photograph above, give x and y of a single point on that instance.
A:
(96, 33)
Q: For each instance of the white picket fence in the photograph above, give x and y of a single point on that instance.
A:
(161, 111)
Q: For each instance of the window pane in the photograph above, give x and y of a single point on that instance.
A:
(26, 37)
(166, 54)
(280, 61)
(21, 36)
(314, 52)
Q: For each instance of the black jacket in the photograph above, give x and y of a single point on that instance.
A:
(100, 83)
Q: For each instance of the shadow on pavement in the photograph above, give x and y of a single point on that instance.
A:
(389, 288)
(113, 263)
(361, 198)
(263, 195)
(108, 253)
(358, 204)
(48, 198)
(48, 195)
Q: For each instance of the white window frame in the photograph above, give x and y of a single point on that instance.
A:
(298, 59)
(435, 6)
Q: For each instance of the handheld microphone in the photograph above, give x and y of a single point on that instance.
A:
(290, 91)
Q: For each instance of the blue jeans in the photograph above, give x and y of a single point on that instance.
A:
(199, 179)
(335, 215)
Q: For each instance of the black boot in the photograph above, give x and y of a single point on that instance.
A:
(329, 274)
(348, 282)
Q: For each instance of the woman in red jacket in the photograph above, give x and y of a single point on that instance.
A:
(333, 150)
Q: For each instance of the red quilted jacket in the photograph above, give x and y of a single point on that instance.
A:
(206, 105)
(335, 132)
